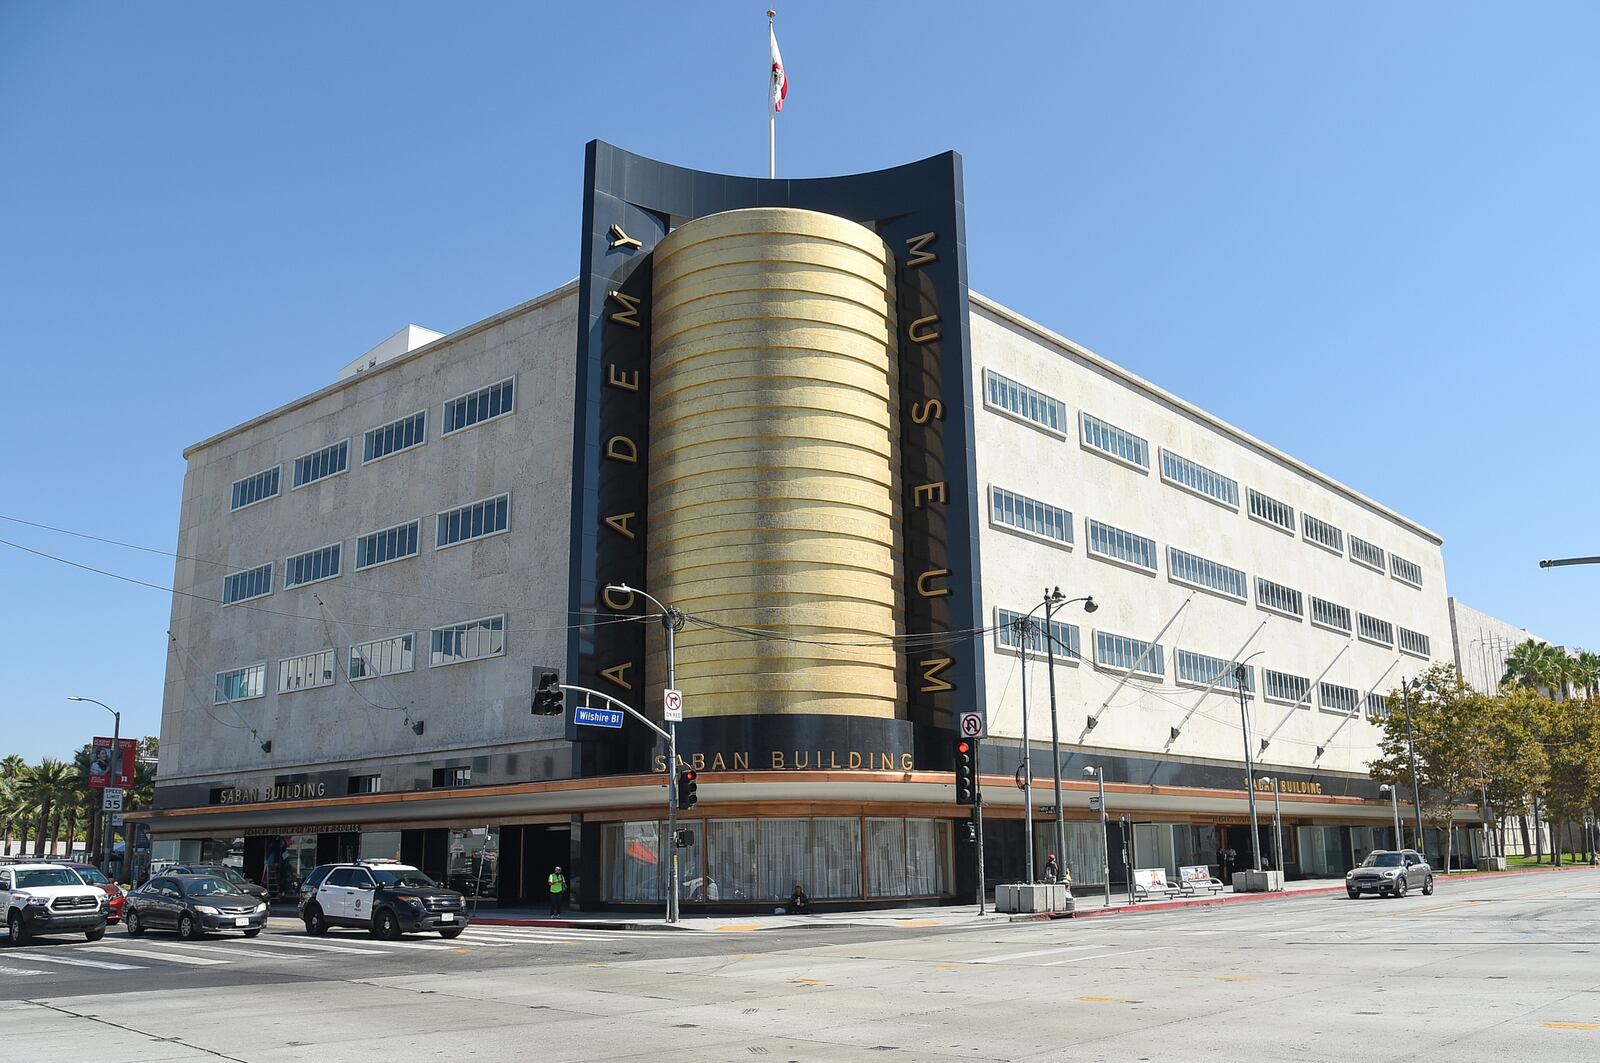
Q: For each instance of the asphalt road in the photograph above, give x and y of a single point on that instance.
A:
(1485, 969)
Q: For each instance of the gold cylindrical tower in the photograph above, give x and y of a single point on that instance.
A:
(774, 458)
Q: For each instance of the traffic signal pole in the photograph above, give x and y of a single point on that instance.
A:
(667, 625)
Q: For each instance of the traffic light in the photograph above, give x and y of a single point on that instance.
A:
(684, 839)
(966, 771)
(687, 797)
(972, 831)
(548, 698)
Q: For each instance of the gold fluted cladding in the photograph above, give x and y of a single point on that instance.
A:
(774, 458)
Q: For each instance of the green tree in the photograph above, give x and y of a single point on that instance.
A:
(1448, 722)
(1516, 766)
(1570, 735)
(46, 785)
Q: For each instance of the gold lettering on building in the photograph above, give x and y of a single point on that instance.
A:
(629, 314)
(718, 764)
(628, 381)
(741, 762)
(697, 761)
(618, 674)
(621, 448)
(620, 238)
(610, 601)
(924, 329)
(916, 248)
(923, 412)
(619, 523)
(925, 585)
(931, 669)
(777, 759)
(934, 492)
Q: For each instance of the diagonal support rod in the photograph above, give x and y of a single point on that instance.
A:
(1149, 646)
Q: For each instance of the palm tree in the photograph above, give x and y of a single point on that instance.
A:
(13, 810)
(1586, 672)
(12, 767)
(47, 786)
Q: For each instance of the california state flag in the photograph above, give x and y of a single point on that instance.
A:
(780, 80)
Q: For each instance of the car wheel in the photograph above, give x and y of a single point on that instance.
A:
(1355, 895)
(17, 930)
(316, 922)
(132, 924)
(96, 934)
(1427, 886)
(252, 933)
(1400, 886)
(386, 926)
(188, 929)
(453, 932)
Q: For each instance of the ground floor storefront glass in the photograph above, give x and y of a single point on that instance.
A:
(761, 860)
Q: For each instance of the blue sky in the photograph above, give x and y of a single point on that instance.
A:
(1365, 233)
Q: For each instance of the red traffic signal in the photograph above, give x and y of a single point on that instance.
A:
(687, 797)
(966, 757)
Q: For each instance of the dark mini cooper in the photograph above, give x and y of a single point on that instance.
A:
(384, 896)
(193, 905)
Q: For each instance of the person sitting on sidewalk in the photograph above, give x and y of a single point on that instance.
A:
(799, 903)
(1052, 871)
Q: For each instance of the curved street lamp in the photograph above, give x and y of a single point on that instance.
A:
(116, 760)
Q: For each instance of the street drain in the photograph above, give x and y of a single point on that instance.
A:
(757, 1050)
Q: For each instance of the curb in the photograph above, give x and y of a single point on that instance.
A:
(575, 924)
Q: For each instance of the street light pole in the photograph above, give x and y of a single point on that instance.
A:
(1394, 799)
(1024, 630)
(671, 622)
(116, 776)
(1411, 752)
(1249, 767)
(1105, 840)
(1052, 599)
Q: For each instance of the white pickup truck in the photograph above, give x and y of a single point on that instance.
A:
(49, 899)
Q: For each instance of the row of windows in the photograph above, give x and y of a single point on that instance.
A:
(1326, 614)
(1117, 442)
(1003, 393)
(1066, 646)
(1372, 629)
(1198, 669)
(1030, 515)
(1123, 654)
(476, 407)
(1124, 546)
(1196, 571)
(1415, 643)
(476, 520)
(1279, 599)
(470, 640)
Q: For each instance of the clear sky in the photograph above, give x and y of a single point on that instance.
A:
(1366, 233)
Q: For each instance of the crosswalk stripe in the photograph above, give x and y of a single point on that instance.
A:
(19, 972)
(1036, 952)
(102, 965)
(146, 954)
(231, 949)
(1107, 956)
(313, 946)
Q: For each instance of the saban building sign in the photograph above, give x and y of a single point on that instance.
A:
(630, 205)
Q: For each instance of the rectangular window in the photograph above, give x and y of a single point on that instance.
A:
(394, 437)
(471, 640)
(1030, 516)
(1406, 571)
(1371, 629)
(241, 684)
(382, 657)
(1269, 510)
(252, 583)
(448, 778)
(1192, 476)
(1067, 646)
(258, 488)
(365, 784)
(1003, 393)
(321, 464)
(1322, 533)
(1377, 707)
(475, 520)
(391, 544)
(1119, 443)
(1196, 571)
(1336, 698)
(1327, 614)
(1199, 670)
(306, 671)
(1123, 654)
(1281, 686)
(1118, 545)
(475, 407)
(1277, 598)
(313, 566)
(1415, 643)
(1364, 553)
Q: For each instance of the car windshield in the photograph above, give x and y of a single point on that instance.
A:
(206, 887)
(92, 876)
(55, 876)
(1382, 860)
(228, 873)
(408, 877)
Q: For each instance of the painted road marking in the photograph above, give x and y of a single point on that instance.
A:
(314, 946)
(1107, 956)
(740, 926)
(1036, 952)
(101, 965)
(1572, 1025)
(145, 954)
(20, 972)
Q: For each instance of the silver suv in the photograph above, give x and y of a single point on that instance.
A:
(1392, 872)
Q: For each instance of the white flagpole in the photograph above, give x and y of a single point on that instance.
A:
(772, 115)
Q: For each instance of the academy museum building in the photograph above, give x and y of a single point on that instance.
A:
(776, 410)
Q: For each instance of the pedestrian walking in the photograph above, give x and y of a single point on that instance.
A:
(1052, 870)
(558, 891)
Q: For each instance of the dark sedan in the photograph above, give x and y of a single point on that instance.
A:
(193, 905)
(231, 875)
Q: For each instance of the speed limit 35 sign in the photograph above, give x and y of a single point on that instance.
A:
(971, 725)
